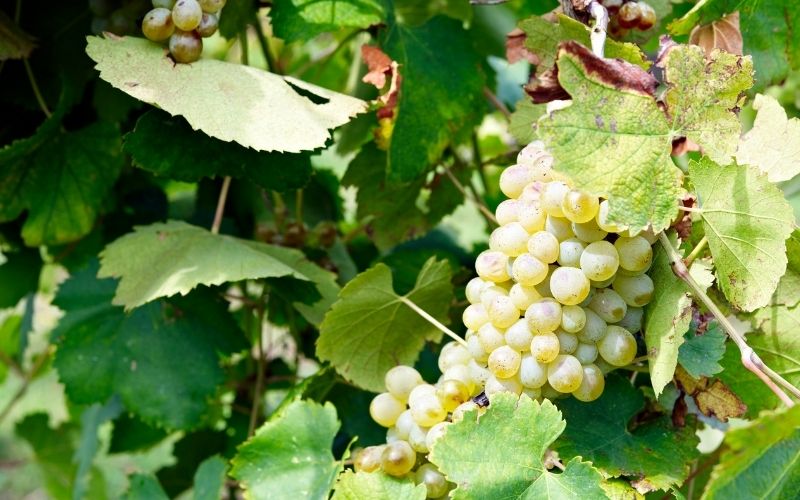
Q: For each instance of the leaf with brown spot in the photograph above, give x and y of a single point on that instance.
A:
(515, 48)
(723, 34)
(713, 397)
(382, 69)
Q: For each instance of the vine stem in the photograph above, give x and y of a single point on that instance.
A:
(430, 319)
(696, 251)
(35, 88)
(223, 196)
(749, 358)
(468, 195)
(497, 103)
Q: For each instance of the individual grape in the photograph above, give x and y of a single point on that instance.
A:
(435, 483)
(592, 384)
(427, 411)
(604, 283)
(594, 329)
(452, 354)
(511, 239)
(495, 385)
(212, 6)
(401, 380)
(647, 17)
(632, 320)
(460, 373)
(599, 261)
(437, 431)
(474, 317)
(385, 408)
(544, 246)
(612, 6)
(573, 319)
(157, 25)
(531, 216)
(208, 25)
(418, 439)
(579, 206)
(398, 458)
(504, 362)
(565, 373)
(629, 14)
(187, 14)
(586, 353)
(459, 412)
(523, 296)
(404, 424)
(391, 435)
(543, 288)
(618, 347)
(492, 266)
(635, 254)
(164, 4)
(602, 219)
(514, 179)
(490, 337)
(567, 342)
(420, 392)
(544, 315)
(569, 252)
(519, 336)
(534, 154)
(479, 374)
(559, 227)
(636, 291)
(491, 292)
(474, 288)
(608, 305)
(550, 393)
(528, 270)
(452, 393)
(588, 231)
(569, 285)
(545, 347)
(553, 197)
(476, 349)
(368, 459)
(185, 46)
(507, 212)
(532, 373)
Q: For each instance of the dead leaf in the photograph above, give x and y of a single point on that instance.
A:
(713, 397)
(381, 68)
(515, 48)
(723, 34)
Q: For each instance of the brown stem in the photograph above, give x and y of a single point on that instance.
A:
(223, 196)
(497, 103)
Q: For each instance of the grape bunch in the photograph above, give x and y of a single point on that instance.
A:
(556, 305)
(184, 23)
(627, 15)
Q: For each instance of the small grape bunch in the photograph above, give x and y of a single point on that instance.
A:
(183, 24)
(628, 15)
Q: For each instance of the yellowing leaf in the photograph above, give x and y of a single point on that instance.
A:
(773, 144)
(228, 101)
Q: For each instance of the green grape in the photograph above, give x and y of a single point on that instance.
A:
(511, 239)
(602, 220)
(586, 353)
(435, 484)
(604, 283)
(474, 317)
(550, 393)
(437, 431)
(385, 408)
(368, 459)
(398, 458)
(421, 392)
(514, 179)
(635, 254)
(632, 320)
(523, 296)
(588, 231)
(528, 271)
(208, 25)
(460, 373)
(418, 438)
(492, 266)
(532, 373)
(545, 347)
(519, 336)
(496, 385)
(573, 319)
(157, 25)
(579, 206)
(212, 6)
(592, 384)
(504, 362)
(618, 347)
(567, 342)
(565, 373)
(452, 354)
(474, 288)
(531, 216)
(553, 198)
(490, 337)
(507, 212)
(599, 261)
(187, 14)
(569, 285)
(404, 424)
(608, 305)
(569, 252)
(594, 329)
(544, 315)
(636, 291)
(476, 349)
(544, 246)
(559, 227)
(452, 393)
(502, 312)
(427, 411)
(401, 380)
(185, 46)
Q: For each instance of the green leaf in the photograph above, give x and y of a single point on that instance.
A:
(91, 420)
(209, 480)
(290, 456)
(700, 354)
(417, 12)
(14, 42)
(315, 387)
(163, 259)
(376, 486)
(228, 101)
(747, 221)
(773, 144)
(500, 454)
(369, 329)
(19, 275)
(654, 451)
(523, 119)
(145, 487)
(295, 20)
(52, 452)
(543, 37)
(103, 351)
(760, 459)
(236, 16)
(168, 146)
(440, 96)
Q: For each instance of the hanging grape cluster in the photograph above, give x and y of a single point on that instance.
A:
(629, 15)
(556, 305)
(184, 24)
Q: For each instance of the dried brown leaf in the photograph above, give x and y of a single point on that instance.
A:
(381, 68)
(723, 34)
(713, 397)
(515, 48)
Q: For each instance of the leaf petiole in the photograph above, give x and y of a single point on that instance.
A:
(430, 319)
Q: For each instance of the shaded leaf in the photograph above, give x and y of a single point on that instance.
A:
(14, 42)
(145, 486)
(19, 275)
(236, 16)
(700, 354)
(91, 419)
(295, 20)
(417, 12)
(52, 452)
(376, 486)
(712, 397)
(209, 480)
(773, 144)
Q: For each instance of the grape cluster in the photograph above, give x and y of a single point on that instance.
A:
(556, 305)
(117, 16)
(184, 23)
(627, 15)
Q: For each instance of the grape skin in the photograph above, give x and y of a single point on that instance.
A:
(157, 25)
(187, 14)
(398, 458)
(185, 46)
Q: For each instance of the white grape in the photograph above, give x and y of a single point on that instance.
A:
(479, 374)
(401, 380)
(599, 260)
(368, 459)
(404, 424)
(490, 337)
(460, 373)
(618, 347)
(474, 316)
(534, 154)
(573, 319)
(519, 335)
(532, 192)
(544, 246)
(385, 408)
(504, 362)
(636, 291)
(632, 320)
(602, 219)
(544, 315)
(458, 413)
(586, 353)
(588, 231)
(496, 385)
(187, 14)
(437, 431)
(543, 288)
(427, 411)
(452, 393)
(474, 288)
(635, 254)
(553, 197)
(569, 285)
(514, 179)
(418, 439)
(592, 384)
(532, 373)
(476, 349)
(489, 293)
(565, 373)
(530, 216)
(529, 271)
(523, 296)
(594, 328)
(545, 347)
(567, 342)
(398, 458)
(608, 305)
(451, 354)
(391, 435)
(579, 206)
(511, 239)
(559, 227)
(604, 283)
(502, 312)
(507, 212)
(420, 392)
(569, 252)
(492, 266)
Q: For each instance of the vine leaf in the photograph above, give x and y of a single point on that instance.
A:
(773, 144)
(290, 456)
(102, 351)
(145, 486)
(500, 454)
(700, 354)
(523, 119)
(228, 101)
(209, 479)
(295, 20)
(369, 329)
(712, 397)
(759, 459)
(417, 12)
(164, 259)
(654, 452)
(747, 221)
(376, 486)
(14, 42)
